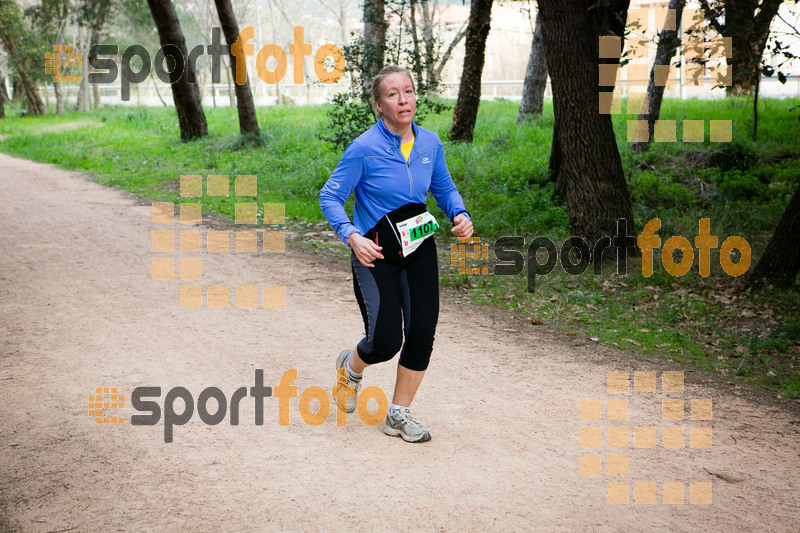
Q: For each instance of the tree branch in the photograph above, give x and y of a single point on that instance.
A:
(446, 56)
(710, 16)
(787, 23)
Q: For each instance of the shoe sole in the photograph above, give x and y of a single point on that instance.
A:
(340, 364)
(392, 432)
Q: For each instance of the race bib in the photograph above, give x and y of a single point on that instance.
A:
(413, 231)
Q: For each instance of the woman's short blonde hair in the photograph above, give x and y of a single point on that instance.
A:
(377, 80)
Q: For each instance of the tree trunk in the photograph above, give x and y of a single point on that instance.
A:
(21, 65)
(35, 103)
(535, 77)
(605, 17)
(749, 33)
(17, 89)
(431, 80)
(229, 76)
(244, 98)
(780, 262)
(59, 97)
(344, 26)
(95, 88)
(82, 100)
(747, 23)
(469, 91)
(655, 93)
(3, 89)
(191, 118)
(2, 97)
(96, 95)
(374, 39)
(60, 20)
(416, 54)
(595, 190)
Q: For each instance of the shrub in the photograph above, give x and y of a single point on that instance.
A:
(732, 156)
(738, 185)
(655, 192)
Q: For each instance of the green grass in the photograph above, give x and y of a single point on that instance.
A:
(709, 323)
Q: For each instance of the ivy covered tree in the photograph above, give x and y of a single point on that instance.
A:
(26, 52)
(352, 111)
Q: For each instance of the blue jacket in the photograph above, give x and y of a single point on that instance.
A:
(374, 166)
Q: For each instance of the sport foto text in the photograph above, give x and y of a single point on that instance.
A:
(284, 391)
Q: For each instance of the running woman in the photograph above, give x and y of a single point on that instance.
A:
(391, 167)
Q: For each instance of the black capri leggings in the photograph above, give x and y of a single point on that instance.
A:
(410, 287)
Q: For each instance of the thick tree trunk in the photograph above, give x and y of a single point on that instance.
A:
(469, 91)
(191, 118)
(747, 23)
(374, 39)
(244, 98)
(655, 92)
(35, 103)
(595, 190)
(780, 262)
(749, 33)
(604, 17)
(535, 77)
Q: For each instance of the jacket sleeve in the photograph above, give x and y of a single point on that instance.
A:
(347, 174)
(444, 190)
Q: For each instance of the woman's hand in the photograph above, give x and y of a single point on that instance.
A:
(462, 226)
(366, 250)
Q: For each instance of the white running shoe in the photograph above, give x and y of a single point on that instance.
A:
(343, 379)
(403, 424)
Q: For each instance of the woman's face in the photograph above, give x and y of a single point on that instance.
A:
(397, 102)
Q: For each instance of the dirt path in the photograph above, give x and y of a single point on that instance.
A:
(78, 310)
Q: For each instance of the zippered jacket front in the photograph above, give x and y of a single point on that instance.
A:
(374, 167)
